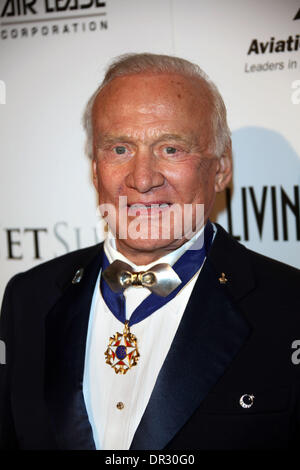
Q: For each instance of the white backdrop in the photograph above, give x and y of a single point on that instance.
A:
(50, 63)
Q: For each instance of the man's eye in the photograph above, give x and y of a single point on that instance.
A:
(170, 150)
(120, 149)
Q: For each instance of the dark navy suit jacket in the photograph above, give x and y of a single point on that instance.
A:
(234, 339)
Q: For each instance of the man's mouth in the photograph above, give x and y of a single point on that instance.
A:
(139, 205)
(139, 208)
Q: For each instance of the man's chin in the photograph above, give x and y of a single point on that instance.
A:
(139, 246)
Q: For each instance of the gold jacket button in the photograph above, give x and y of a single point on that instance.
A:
(120, 405)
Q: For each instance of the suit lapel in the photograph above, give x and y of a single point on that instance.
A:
(66, 332)
(210, 334)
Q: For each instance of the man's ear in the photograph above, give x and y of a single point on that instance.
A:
(224, 170)
(95, 174)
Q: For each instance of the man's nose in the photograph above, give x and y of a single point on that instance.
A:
(144, 174)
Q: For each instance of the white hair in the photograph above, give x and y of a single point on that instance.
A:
(135, 63)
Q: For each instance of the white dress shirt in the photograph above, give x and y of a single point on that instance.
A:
(114, 427)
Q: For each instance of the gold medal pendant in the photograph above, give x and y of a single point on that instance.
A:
(122, 352)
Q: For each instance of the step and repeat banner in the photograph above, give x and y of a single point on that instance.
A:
(53, 54)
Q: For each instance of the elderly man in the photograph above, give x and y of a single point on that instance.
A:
(154, 341)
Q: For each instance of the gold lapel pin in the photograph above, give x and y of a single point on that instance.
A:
(78, 276)
(222, 279)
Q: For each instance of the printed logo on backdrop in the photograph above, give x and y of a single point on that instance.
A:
(32, 243)
(21, 19)
(261, 208)
(277, 46)
(267, 200)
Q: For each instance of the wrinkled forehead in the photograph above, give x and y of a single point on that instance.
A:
(153, 93)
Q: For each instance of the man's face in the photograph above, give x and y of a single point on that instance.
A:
(153, 144)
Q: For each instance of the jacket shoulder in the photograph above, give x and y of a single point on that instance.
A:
(58, 267)
(273, 268)
(247, 269)
(230, 247)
